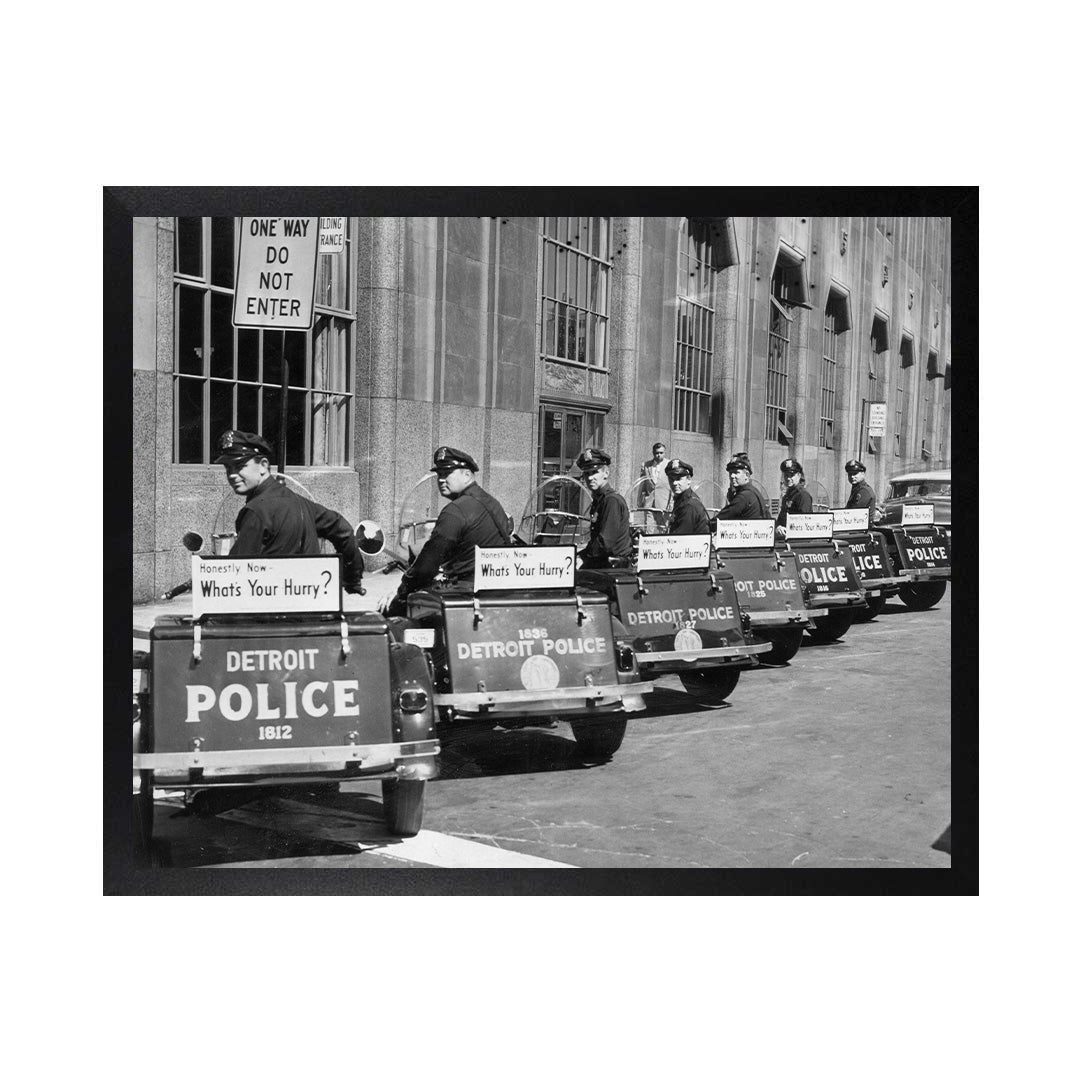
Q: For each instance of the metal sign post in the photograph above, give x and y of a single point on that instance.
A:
(275, 287)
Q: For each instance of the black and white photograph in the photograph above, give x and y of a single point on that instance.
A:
(481, 536)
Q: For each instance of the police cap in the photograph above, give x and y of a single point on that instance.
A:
(854, 466)
(446, 459)
(234, 446)
(739, 461)
(677, 468)
(591, 459)
(789, 467)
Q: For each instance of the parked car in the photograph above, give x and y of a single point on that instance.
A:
(919, 487)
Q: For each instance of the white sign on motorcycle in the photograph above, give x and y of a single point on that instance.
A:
(743, 533)
(856, 519)
(524, 568)
(673, 552)
(248, 586)
(809, 526)
(275, 273)
(917, 514)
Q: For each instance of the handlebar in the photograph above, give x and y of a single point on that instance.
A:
(183, 587)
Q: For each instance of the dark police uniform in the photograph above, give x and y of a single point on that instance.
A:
(796, 500)
(609, 532)
(471, 518)
(688, 515)
(862, 494)
(747, 502)
(276, 520)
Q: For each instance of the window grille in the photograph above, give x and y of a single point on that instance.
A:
(928, 394)
(781, 321)
(697, 271)
(828, 378)
(907, 361)
(224, 377)
(574, 291)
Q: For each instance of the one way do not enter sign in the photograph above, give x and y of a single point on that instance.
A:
(275, 273)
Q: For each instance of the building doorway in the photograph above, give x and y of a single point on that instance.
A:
(564, 433)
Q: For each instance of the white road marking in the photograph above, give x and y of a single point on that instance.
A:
(427, 848)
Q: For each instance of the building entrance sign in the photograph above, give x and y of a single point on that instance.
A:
(275, 273)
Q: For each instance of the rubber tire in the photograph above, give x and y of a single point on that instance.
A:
(403, 806)
(923, 595)
(833, 626)
(785, 644)
(597, 740)
(142, 819)
(874, 604)
(710, 687)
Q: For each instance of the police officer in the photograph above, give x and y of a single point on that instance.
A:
(862, 494)
(688, 514)
(609, 534)
(746, 500)
(795, 498)
(274, 519)
(471, 518)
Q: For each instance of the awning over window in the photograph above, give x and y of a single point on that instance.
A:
(935, 366)
(725, 247)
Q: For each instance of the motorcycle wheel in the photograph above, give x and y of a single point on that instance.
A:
(785, 644)
(923, 595)
(403, 806)
(874, 604)
(597, 740)
(833, 626)
(710, 687)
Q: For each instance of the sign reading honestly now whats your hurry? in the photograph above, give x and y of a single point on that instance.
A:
(673, 552)
(250, 586)
(744, 533)
(524, 568)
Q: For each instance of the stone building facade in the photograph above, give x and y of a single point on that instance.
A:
(521, 340)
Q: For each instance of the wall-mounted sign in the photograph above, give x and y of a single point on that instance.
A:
(809, 526)
(744, 534)
(275, 273)
(331, 235)
(245, 586)
(917, 514)
(673, 552)
(879, 411)
(524, 568)
(853, 520)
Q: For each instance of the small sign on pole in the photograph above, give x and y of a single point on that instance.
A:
(275, 273)
(878, 413)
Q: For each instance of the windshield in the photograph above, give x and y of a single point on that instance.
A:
(902, 489)
(650, 505)
(419, 512)
(557, 512)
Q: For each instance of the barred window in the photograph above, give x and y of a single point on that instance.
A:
(224, 377)
(696, 291)
(782, 298)
(907, 361)
(928, 396)
(828, 378)
(574, 291)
